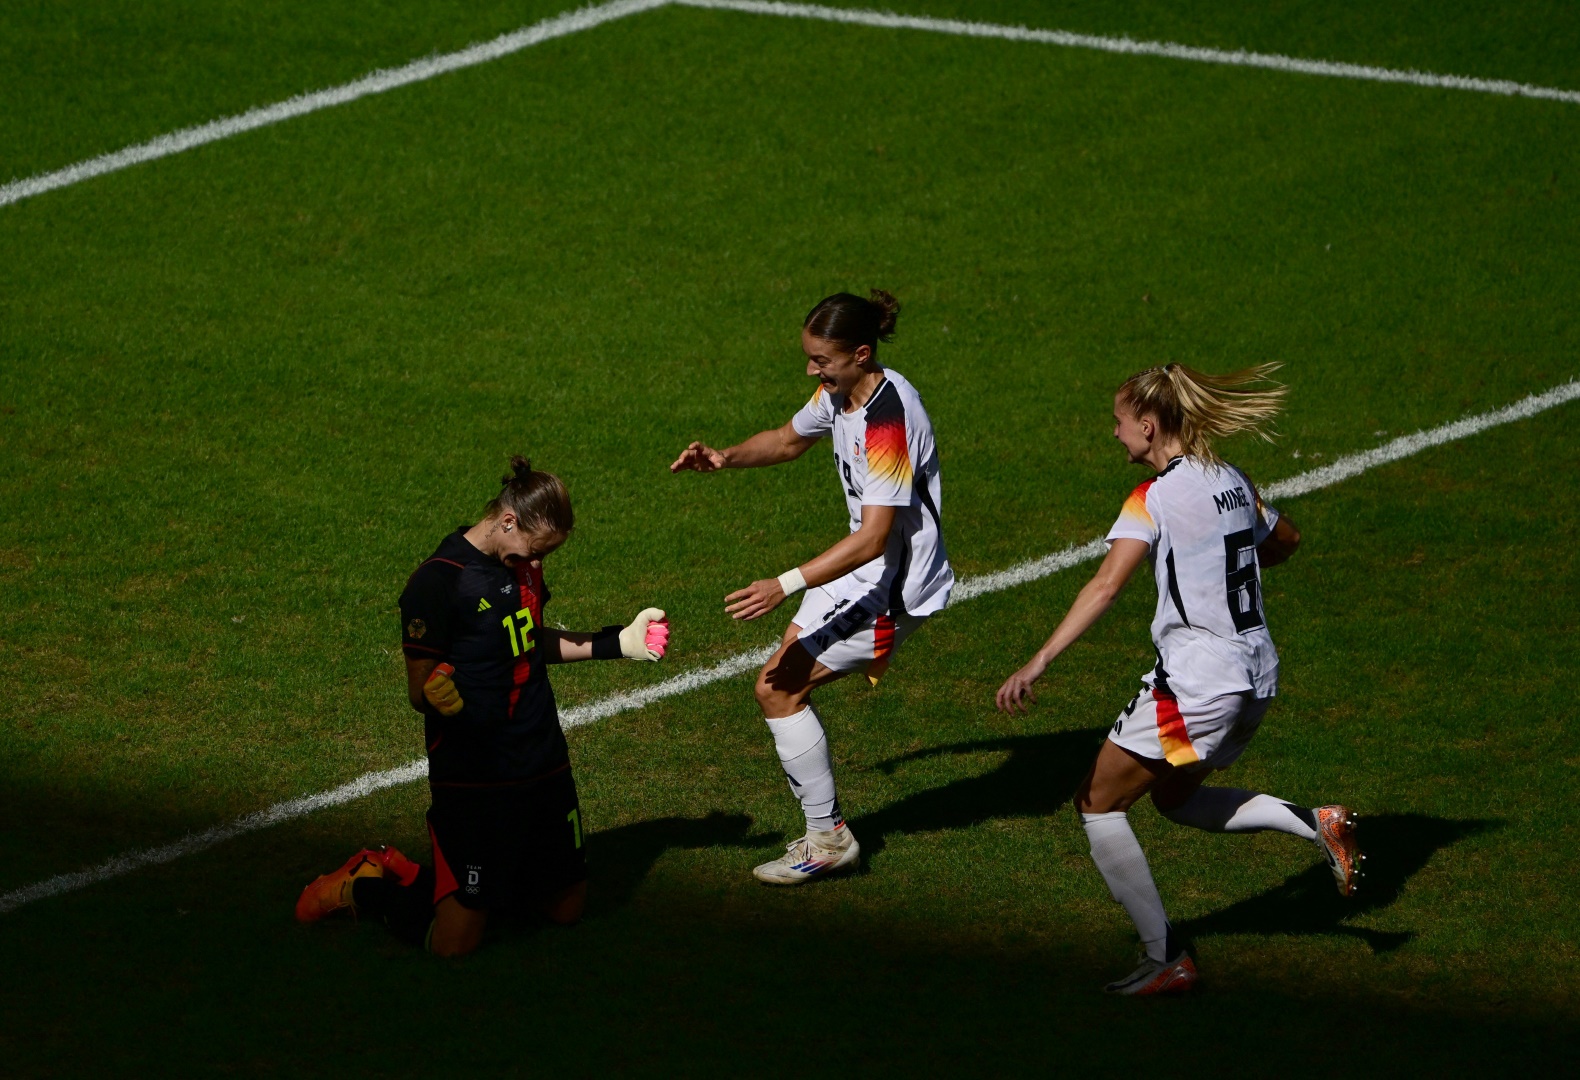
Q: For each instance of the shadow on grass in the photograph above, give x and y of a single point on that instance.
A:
(1396, 847)
(620, 858)
(1037, 779)
(1040, 777)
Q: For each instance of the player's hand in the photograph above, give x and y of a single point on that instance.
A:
(756, 600)
(647, 637)
(699, 458)
(1016, 692)
(441, 692)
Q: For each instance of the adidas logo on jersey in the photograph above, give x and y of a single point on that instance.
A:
(483, 604)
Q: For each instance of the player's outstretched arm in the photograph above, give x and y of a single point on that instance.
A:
(646, 638)
(765, 448)
(1096, 597)
(856, 549)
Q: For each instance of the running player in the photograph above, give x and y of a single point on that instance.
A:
(505, 823)
(868, 592)
(1208, 534)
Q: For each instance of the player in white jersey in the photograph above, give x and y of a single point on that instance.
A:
(1208, 535)
(868, 592)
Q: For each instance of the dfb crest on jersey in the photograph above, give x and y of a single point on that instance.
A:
(416, 629)
(855, 449)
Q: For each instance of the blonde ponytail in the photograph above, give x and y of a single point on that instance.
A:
(1198, 408)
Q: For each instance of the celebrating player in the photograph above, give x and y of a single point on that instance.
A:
(868, 592)
(1208, 535)
(505, 824)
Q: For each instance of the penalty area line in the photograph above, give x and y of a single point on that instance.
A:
(1236, 58)
(571, 22)
(376, 82)
(1024, 573)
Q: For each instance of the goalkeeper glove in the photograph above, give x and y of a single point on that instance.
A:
(647, 637)
(441, 692)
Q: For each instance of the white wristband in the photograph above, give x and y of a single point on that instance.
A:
(791, 581)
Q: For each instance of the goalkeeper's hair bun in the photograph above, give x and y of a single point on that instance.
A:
(850, 321)
(538, 499)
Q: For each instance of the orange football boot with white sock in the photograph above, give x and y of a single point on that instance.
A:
(1176, 976)
(1336, 838)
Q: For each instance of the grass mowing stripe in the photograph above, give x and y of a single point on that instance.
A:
(377, 82)
(581, 715)
(1238, 58)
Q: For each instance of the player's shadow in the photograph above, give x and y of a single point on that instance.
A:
(1396, 847)
(1037, 779)
(619, 859)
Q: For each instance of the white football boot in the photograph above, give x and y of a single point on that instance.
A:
(812, 856)
(1176, 976)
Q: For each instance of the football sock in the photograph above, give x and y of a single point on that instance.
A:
(1221, 809)
(803, 751)
(1123, 864)
(405, 909)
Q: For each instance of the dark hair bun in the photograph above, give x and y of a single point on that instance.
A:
(520, 471)
(888, 313)
(852, 321)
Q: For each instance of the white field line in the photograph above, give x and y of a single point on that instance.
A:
(1238, 58)
(966, 589)
(1303, 484)
(377, 82)
(586, 18)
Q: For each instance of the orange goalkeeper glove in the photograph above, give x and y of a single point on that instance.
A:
(441, 692)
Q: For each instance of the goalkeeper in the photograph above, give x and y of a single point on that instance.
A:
(505, 824)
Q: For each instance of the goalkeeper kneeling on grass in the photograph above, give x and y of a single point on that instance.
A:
(505, 824)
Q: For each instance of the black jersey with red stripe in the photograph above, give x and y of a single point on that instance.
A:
(470, 610)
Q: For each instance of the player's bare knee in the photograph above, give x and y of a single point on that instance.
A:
(566, 908)
(775, 699)
(767, 696)
(448, 949)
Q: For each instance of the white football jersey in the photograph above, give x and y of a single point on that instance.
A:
(885, 456)
(1203, 523)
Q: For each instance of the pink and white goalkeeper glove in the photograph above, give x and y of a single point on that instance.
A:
(647, 637)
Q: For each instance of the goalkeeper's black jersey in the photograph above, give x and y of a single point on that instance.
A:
(470, 610)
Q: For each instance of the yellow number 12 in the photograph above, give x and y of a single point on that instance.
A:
(519, 643)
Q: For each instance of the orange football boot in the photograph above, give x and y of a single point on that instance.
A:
(331, 892)
(1336, 838)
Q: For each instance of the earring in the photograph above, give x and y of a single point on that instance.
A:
(509, 527)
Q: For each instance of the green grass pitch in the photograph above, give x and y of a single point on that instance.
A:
(244, 389)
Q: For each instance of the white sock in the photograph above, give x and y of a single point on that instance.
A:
(1123, 864)
(803, 751)
(1221, 809)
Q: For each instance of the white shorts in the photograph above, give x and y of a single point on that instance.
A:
(1211, 735)
(847, 628)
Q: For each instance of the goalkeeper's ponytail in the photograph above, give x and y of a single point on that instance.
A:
(538, 499)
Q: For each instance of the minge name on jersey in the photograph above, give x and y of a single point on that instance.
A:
(1233, 499)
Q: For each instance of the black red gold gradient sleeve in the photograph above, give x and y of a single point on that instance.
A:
(890, 480)
(425, 613)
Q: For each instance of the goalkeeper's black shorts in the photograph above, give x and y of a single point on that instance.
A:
(499, 847)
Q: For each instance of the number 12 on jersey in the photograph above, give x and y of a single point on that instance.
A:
(520, 641)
